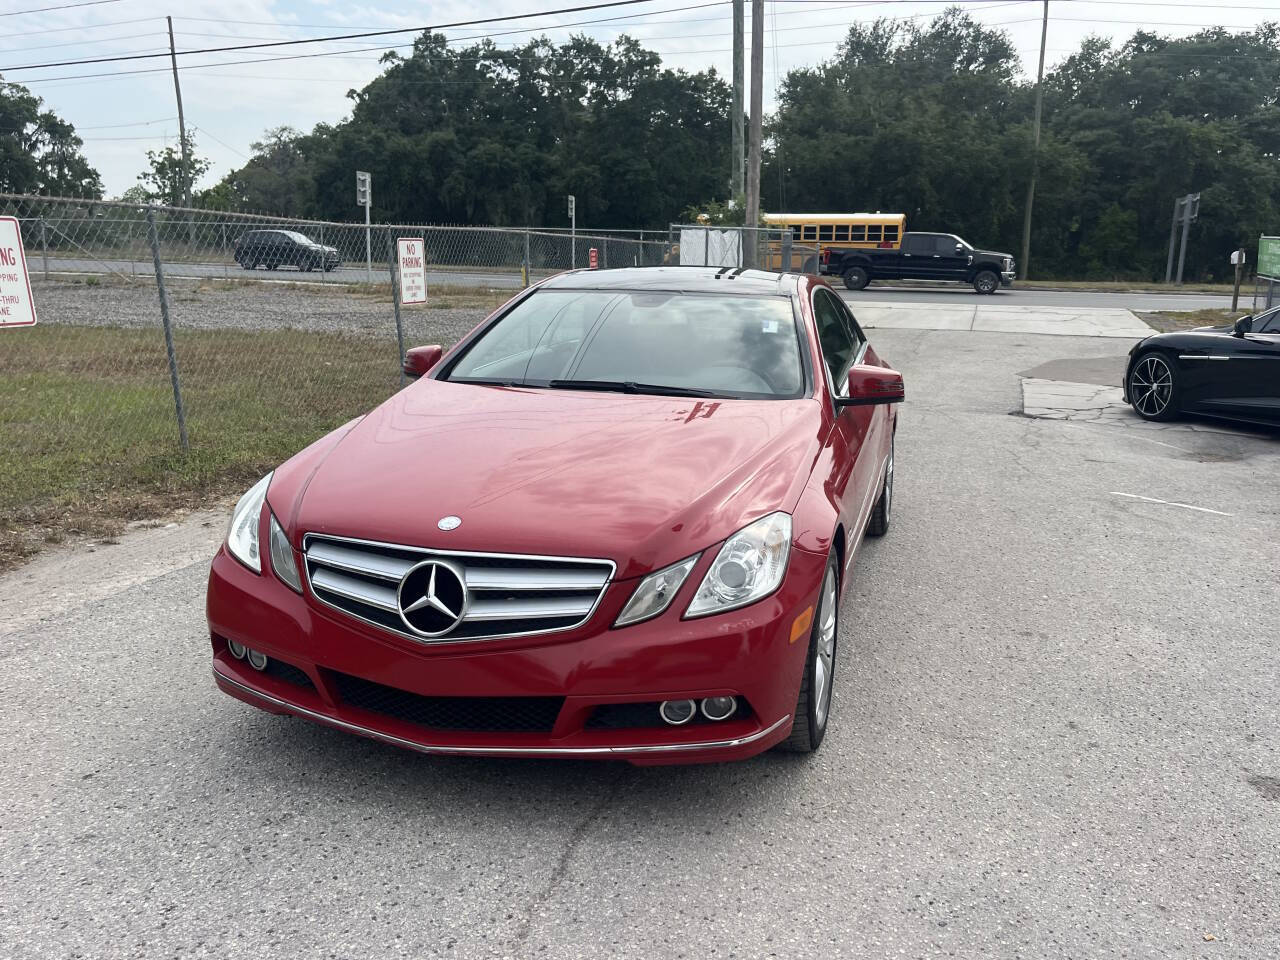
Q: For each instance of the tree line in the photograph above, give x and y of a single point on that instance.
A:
(932, 120)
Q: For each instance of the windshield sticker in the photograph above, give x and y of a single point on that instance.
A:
(769, 326)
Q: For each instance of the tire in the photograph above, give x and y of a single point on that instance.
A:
(986, 282)
(306, 266)
(878, 524)
(813, 705)
(272, 266)
(810, 265)
(856, 278)
(1153, 387)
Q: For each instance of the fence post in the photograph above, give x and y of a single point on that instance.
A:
(526, 267)
(706, 246)
(393, 266)
(168, 329)
(44, 247)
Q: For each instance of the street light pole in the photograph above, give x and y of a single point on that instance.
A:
(753, 149)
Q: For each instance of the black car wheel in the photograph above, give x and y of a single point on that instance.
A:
(810, 265)
(986, 282)
(856, 278)
(813, 706)
(878, 524)
(307, 264)
(1153, 387)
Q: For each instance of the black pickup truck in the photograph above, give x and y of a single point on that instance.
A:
(922, 256)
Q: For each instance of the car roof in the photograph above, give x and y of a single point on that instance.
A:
(682, 279)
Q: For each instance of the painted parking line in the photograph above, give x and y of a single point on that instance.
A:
(1169, 503)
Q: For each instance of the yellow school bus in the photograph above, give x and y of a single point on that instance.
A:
(843, 231)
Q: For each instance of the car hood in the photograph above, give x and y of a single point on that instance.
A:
(993, 254)
(641, 480)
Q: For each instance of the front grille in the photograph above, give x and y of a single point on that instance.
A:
(481, 714)
(507, 595)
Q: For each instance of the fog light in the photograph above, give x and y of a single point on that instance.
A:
(236, 649)
(257, 660)
(719, 708)
(677, 712)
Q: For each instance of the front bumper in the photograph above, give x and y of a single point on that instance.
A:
(1007, 277)
(746, 653)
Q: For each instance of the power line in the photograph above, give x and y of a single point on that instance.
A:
(346, 36)
(61, 6)
(83, 43)
(109, 23)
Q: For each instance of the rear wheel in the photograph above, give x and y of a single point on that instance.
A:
(810, 265)
(986, 282)
(813, 706)
(856, 278)
(1153, 388)
(878, 524)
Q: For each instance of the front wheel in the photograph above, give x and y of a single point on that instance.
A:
(856, 278)
(1153, 388)
(813, 706)
(986, 282)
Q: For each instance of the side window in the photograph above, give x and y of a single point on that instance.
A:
(810, 233)
(824, 233)
(873, 233)
(917, 244)
(1268, 322)
(858, 233)
(838, 347)
(891, 233)
(842, 233)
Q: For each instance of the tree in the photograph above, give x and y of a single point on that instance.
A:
(169, 176)
(40, 152)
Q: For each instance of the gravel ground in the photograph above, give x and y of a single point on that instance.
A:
(264, 306)
(1054, 736)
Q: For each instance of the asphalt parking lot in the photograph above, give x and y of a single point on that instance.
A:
(1054, 735)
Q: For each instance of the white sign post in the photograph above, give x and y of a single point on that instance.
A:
(17, 308)
(413, 270)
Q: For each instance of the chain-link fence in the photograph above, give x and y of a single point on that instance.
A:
(157, 375)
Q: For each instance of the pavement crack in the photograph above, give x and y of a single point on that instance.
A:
(520, 939)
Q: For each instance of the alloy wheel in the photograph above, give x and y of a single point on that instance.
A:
(888, 481)
(824, 659)
(1151, 386)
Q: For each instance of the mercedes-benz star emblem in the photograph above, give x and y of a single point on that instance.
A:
(449, 523)
(432, 598)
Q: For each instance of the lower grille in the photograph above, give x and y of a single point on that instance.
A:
(481, 714)
(288, 673)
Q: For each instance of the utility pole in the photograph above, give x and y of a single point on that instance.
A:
(1185, 209)
(573, 232)
(753, 159)
(1035, 154)
(182, 125)
(738, 155)
(1173, 239)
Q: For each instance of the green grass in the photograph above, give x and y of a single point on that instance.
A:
(1166, 320)
(89, 432)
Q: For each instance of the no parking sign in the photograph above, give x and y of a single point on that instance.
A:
(17, 308)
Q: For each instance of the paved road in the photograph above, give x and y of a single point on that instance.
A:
(1056, 734)
(957, 295)
(948, 294)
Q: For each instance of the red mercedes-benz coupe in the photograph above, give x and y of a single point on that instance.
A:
(614, 521)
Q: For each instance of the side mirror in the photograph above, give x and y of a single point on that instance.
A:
(959, 248)
(419, 360)
(1242, 326)
(869, 386)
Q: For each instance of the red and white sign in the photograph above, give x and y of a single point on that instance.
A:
(593, 259)
(413, 270)
(17, 308)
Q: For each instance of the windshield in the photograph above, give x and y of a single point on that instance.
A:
(296, 237)
(731, 346)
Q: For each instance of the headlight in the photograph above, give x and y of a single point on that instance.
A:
(242, 534)
(655, 592)
(750, 566)
(282, 561)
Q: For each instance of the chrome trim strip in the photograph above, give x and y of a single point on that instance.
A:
(384, 598)
(533, 580)
(429, 551)
(501, 751)
(532, 609)
(371, 565)
(1193, 356)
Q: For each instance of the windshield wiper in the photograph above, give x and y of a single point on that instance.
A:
(630, 386)
(491, 382)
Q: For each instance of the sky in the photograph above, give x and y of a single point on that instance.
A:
(122, 115)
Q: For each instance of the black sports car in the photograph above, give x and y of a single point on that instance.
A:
(1229, 372)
